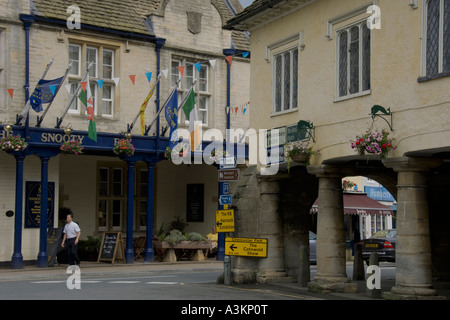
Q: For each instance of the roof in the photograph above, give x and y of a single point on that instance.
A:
(358, 203)
(261, 11)
(111, 14)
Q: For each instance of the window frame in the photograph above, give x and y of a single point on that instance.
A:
(292, 90)
(424, 47)
(74, 79)
(361, 92)
(183, 87)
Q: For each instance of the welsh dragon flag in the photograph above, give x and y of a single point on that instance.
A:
(190, 110)
(86, 97)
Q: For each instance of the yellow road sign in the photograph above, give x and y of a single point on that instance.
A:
(225, 220)
(246, 247)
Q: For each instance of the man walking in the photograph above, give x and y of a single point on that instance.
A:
(72, 233)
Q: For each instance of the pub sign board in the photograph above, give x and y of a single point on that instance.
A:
(33, 204)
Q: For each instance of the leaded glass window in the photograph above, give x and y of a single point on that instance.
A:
(437, 49)
(286, 80)
(353, 70)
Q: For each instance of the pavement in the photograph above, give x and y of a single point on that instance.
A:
(32, 272)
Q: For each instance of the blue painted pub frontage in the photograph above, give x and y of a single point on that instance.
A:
(136, 195)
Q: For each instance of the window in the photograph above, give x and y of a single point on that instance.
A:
(437, 35)
(102, 68)
(111, 197)
(286, 81)
(353, 61)
(202, 94)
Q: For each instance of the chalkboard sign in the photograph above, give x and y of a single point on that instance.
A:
(111, 248)
(195, 202)
(33, 204)
(54, 239)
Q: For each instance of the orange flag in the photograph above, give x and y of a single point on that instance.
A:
(11, 92)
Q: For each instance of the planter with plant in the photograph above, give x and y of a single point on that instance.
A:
(72, 146)
(124, 147)
(299, 152)
(12, 143)
(376, 143)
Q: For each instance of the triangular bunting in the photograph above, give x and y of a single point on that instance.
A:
(133, 78)
(229, 59)
(52, 89)
(11, 92)
(116, 80)
(100, 83)
(149, 76)
(68, 87)
(198, 66)
(245, 54)
(83, 85)
(212, 63)
(165, 72)
(181, 69)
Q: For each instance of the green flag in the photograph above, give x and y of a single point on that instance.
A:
(85, 96)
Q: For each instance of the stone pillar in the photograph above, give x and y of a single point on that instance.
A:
(270, 228)
(413, 247)
(331, 273)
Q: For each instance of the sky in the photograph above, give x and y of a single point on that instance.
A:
(246, 3)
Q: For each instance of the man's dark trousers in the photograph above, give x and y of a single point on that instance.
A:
(72, 249)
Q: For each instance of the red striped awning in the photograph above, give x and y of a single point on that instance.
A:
(360, 204)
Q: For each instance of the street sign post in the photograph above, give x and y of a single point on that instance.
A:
(246, 247)
(228, 163)
(225, 199)
(225, 220)
(229, 175)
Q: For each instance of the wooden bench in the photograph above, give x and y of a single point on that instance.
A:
(193, 250)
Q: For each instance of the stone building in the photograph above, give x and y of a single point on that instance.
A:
(123, 41)
(344, 69)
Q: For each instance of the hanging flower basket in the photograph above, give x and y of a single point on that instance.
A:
(72, 147)
(124, 148)
(299, 152)
(13, 143)
(377, 143)
(168, 153)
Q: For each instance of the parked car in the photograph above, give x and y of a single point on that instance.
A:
(312, 248)
(382, 242)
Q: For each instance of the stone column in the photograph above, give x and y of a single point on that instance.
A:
(331, 273)
(413, 248)
(270, 228)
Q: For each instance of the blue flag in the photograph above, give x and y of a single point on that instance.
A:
(43, 93)
(172, 118)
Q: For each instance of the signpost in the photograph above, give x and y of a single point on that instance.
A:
(225, 220)
(229, 175)
(228, 163)
(225, 199)
(246, 247)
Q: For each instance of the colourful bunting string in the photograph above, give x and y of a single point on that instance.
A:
(165, 72)
(133, 78)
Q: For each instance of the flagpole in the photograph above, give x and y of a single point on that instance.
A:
(160, 110)
(167, 101)
(60, 120)
(130, 127)
(187, 96)
(25, 110)
(164, 105)
(39, 119)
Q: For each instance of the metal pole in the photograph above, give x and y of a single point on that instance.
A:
(17, 258)
(60, 120)
(130, 127)
(129, 252)
(39, 119)
(149, 253)
(28, 104)
(42, 259)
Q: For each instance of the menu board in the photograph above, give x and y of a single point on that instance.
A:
(111, 248)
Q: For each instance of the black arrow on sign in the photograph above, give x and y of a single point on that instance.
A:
(219, 224)
(232, 247)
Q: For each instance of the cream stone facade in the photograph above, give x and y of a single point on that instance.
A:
(338, 65)
(138, 37)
